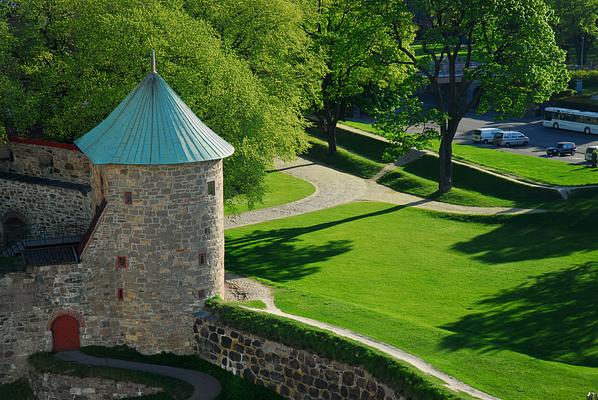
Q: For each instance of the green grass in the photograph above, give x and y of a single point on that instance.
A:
(260, 305)
(174, 389)
(18, 390)
(233, 387)
(342, 160)
(471, 187)
(364, 126)
(534, 169)
(280, 189)
(506, 304)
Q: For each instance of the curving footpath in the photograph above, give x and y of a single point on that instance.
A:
(334, 188)
(239, 288)
(205, 387)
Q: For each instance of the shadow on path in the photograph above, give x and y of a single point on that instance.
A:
(205, 387)
(553, 317)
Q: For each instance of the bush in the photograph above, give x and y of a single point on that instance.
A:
(589, 77)
(397, 375)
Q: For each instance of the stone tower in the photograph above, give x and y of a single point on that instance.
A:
(157, 248)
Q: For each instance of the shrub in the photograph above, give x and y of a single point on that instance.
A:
(18, 390)
(397, 375)
(589, 77)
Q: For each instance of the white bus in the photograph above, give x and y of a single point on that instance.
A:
(572, 120)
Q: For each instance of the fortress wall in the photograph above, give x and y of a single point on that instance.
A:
(49, 210)
(293, 373)
(30, 301)
(64, 163)
(163, 234)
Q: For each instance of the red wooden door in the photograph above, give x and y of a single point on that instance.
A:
(65, 334)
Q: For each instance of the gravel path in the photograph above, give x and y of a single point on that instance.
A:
(248, 289)
(334, 187)
(205, 387)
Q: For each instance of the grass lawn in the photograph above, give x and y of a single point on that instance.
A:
(506, 304)
(280, 189)
(471, 187)
(535, 169)
(343, 160)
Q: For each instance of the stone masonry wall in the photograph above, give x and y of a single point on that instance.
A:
(172, 225)
(45, 161)
(29, 303)
(48, 210)
(60, 387)
(294, 374)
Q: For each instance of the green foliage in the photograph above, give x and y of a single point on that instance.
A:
(72, 62)
(471, 187)
(360, 56)
(233, 387)
(11, 264)
(342, 160)
(397, 375)
(574, 19)
(174, 389)
(589, 76)
(18, 390)
(480, 298)
(361, 145)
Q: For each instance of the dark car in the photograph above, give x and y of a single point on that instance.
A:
(562, 149)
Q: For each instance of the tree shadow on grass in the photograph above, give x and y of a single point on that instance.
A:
(532, 237)
(553, 317)
(280, 255)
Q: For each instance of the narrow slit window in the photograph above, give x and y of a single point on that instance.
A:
(128, 198)
(120, 293)
(121, 262)
(201, 294)
(202, 258)
(211, 188)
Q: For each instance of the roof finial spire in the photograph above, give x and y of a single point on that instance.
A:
(154, 62)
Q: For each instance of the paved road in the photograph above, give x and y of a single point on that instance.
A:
(205, 387)
(540, 136)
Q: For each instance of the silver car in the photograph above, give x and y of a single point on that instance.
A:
(511, 138)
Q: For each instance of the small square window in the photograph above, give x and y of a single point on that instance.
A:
(201, 294)
(128, 198)
(46, 161)
(120, 293)
(211, 188)
(206, 231)
(202, 258)
(121, 262)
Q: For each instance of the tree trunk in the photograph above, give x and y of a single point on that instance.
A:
(331, 134)
(445, 153)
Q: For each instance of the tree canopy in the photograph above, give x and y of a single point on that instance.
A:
(73, 61)
(498, 55)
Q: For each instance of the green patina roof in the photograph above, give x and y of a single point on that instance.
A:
(152, 125)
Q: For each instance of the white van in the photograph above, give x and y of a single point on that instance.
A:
(510, 138)
(484, 135)
(589, 151)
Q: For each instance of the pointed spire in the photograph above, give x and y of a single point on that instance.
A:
(154, 62)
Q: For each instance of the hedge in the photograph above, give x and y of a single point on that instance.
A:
(399, 376)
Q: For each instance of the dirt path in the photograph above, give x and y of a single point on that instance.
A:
(240, 289)
(205, 387)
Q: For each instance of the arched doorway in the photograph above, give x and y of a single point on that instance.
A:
(65, 334)
(14, 229)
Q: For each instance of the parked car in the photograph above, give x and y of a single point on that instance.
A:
(589, 151)
(510, 138)
(562, 149)
(484, 135)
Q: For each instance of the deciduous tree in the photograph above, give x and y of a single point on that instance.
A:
(496, 55)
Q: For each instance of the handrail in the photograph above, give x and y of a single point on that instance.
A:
(89, 233)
